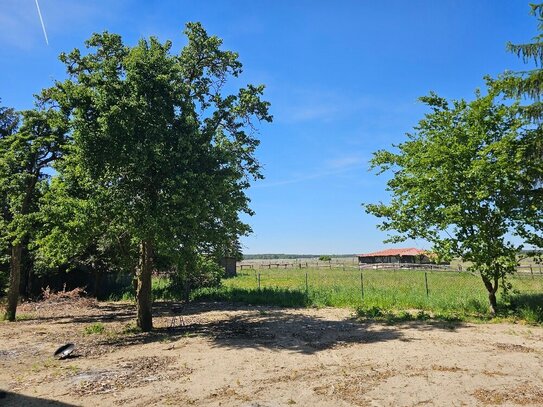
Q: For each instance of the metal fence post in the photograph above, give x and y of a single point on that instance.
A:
(362, 285)
(426, 283)
(258, 281)
(306, 284)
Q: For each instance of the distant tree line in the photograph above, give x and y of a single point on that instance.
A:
(138, 161)
(272, 256)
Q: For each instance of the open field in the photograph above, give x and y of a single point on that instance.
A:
(228, 355)
(452, 294)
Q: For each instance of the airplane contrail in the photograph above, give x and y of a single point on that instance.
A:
(42, 24)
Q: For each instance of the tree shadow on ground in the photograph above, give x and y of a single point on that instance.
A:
(119, 312)
(9, 399)
(238, 325)
(282, 297)
(265, 327)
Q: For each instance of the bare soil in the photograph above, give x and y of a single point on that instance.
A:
(218, 354)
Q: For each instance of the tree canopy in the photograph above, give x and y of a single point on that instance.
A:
(26, 150)
(527, 84)
(167, 154)
(459, 182)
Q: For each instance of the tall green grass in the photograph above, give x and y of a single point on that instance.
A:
(447, 293)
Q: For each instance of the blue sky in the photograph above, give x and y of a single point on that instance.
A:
(342, 77)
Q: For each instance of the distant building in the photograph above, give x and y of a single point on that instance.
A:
(229, 264)
(410, 255)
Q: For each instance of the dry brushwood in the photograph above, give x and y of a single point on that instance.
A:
(75, 298)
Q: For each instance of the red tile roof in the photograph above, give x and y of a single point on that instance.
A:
(395, 252)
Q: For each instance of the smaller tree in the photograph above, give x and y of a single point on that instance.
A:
(24, 154)
(9, 122)
(459, 182)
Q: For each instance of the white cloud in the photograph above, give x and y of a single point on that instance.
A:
(345, 162)
(302, 105)
(331, 168)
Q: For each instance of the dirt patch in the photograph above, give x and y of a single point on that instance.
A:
(440, 368)
(226, 354)
(128, 373)
(525, 394)
(511, 347)
(353, 387)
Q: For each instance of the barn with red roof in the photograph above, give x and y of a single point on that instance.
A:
(409, 255)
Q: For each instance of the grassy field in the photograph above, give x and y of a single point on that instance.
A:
(450, 294)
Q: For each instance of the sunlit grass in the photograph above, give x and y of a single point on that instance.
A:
(454, 294)
(395, 293)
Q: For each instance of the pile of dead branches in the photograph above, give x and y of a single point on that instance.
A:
(76, 298)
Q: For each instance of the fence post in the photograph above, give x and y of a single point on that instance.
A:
(426, 283)
(532, 271)
(258, 281)
(362, 285)
(306, 284)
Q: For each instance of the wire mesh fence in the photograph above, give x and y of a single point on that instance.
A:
(418, 289)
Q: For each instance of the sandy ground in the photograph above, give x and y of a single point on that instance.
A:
(228, 355)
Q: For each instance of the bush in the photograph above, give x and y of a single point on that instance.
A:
(196, 272)
(325, 258)
(208, 273)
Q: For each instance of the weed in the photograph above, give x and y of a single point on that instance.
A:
(531, 315)
(96, 328)
(130, 329)
(45, 364)
(373, 312)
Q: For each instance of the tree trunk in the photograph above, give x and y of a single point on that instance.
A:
(97, 281)
(144, 301)
(493, 303)
(16, 258)
(26, 272)
(14, 281)
(29, 281)
(491, 294)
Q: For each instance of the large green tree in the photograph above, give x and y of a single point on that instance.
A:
(25, 152)
(168, 151)
(527, 84)
(459, 182)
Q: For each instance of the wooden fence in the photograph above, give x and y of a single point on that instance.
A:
(526, 269)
